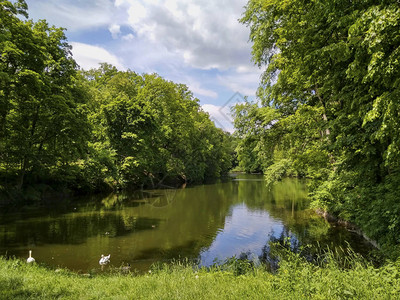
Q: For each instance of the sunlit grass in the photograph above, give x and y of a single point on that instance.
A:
(237, 279)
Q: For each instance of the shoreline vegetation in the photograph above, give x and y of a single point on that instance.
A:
(328, 111)
(332, 219)
(66, 130)
(330, 278)
(328, 107)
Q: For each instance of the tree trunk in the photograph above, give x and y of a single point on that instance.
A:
(22, 174)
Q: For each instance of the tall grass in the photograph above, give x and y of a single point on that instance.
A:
(237, 279)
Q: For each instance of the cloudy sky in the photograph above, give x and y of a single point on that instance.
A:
(199, 43)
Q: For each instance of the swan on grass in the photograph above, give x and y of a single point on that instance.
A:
(30, 258)
(104, 259)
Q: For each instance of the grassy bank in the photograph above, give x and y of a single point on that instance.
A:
(295, 279)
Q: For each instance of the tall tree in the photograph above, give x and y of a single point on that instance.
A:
(42, 105)
(155, 128)
(333, 77)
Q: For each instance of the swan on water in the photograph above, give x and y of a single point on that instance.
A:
(104, 259)
(30, 258)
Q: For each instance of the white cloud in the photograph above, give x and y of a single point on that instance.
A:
(137, 13)
(205, 33)
(119, 2)
(199, 43)
(213, 110)
(197, 87)
(128, 37)
(115, 30)
(74, 15)
(88, 56)
(143, 56)
(201, 91)
(220, 115)
(243, 82)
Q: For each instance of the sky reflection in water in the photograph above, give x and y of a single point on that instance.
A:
(206, 223)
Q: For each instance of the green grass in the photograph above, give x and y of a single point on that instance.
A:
(295, 279)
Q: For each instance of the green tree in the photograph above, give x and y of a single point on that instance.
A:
(42, 103)
(333, 79)
(89, 130)
(153, 129)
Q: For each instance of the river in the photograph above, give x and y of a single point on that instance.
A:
(208, 223)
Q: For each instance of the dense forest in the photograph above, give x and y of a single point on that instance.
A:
(65, 129)
(329, 108)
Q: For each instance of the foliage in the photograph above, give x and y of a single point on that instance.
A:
(277, 171)
(251, 122)
(295, 279)
(332, 87)
(94, 130)
(154, 129)
(43, 124)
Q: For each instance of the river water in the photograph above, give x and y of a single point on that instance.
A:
(208, 223)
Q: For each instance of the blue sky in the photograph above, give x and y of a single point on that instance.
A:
(198, 43)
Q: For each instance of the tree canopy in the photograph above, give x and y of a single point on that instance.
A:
(43, 122)
(154, 129)
(329, 105)
(64, 128)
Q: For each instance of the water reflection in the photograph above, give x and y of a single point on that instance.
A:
(206, 222)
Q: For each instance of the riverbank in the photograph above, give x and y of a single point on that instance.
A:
(346, 224)
(50, 193)
(295, 279)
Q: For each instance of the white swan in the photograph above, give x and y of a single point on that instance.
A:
(104, 259)
(30, 258)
